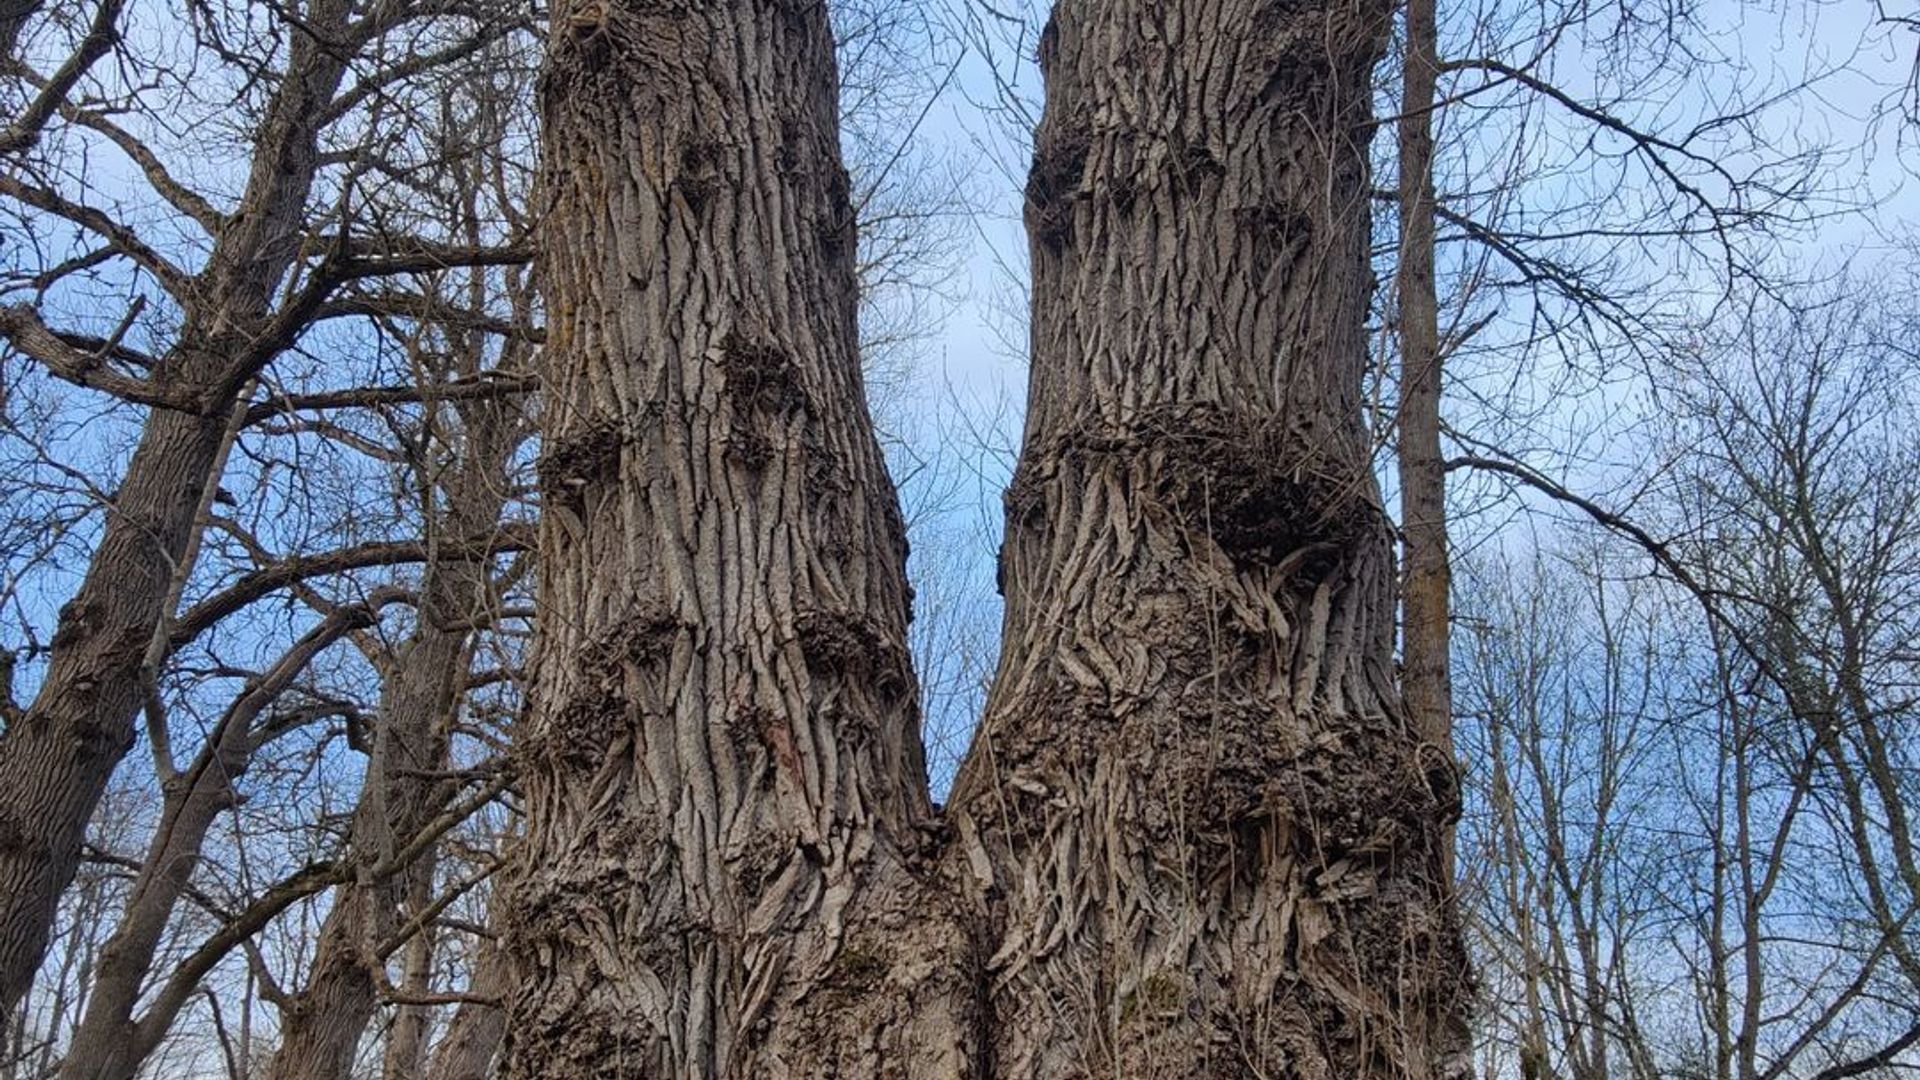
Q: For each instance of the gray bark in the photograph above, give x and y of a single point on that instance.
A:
(1197, 834)
(722, 772)
(1215, 842)
(1427, 580)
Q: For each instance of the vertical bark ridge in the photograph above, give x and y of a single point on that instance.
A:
(1208, 841)
(724, 780)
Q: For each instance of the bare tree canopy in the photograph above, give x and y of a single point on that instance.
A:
(504, 504)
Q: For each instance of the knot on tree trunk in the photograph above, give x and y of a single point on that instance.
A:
(577, 460)
(855, 647)
(1268, 491)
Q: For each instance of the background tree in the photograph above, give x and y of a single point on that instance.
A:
(1685, 860)
(266, 259)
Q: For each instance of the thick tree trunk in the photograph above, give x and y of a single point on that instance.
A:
(56, 760)
(722, 770)
(1215, 840)
(1197, 835)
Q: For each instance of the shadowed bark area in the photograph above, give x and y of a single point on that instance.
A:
(722, 769)
(1210, 842)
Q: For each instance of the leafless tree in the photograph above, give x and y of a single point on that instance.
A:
(223, 268)
(1692, 788)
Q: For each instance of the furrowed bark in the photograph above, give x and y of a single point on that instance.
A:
(1209, 836)
(1198, 835)
(723, 779)
(55, 761)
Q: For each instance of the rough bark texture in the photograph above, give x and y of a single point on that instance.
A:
(1214, 843)
(1196, 836)
(55, 761)
(722, 770)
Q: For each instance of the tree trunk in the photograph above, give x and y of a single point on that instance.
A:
(722, 770)
(322, 1028)
(56, 760)
(476, 1031)
(405, 1057)
(1216, 844)
(1425, 633)
(401, 792)
(109, 1044)
(1197, 835)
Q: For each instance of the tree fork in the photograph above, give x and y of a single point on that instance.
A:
(1197, 834)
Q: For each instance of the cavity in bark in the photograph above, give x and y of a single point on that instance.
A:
(1059, 165)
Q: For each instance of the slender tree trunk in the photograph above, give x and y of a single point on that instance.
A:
(109, 1043)
(56, 759)
(1216, 845)
(322, 1030)
(1426, 687)
(406, 1055)
(722, 770)
(476, 1031)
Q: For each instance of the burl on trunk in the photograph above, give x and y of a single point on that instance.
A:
(1195, 836)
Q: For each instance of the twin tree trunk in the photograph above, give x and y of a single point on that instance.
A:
(1196, 835)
